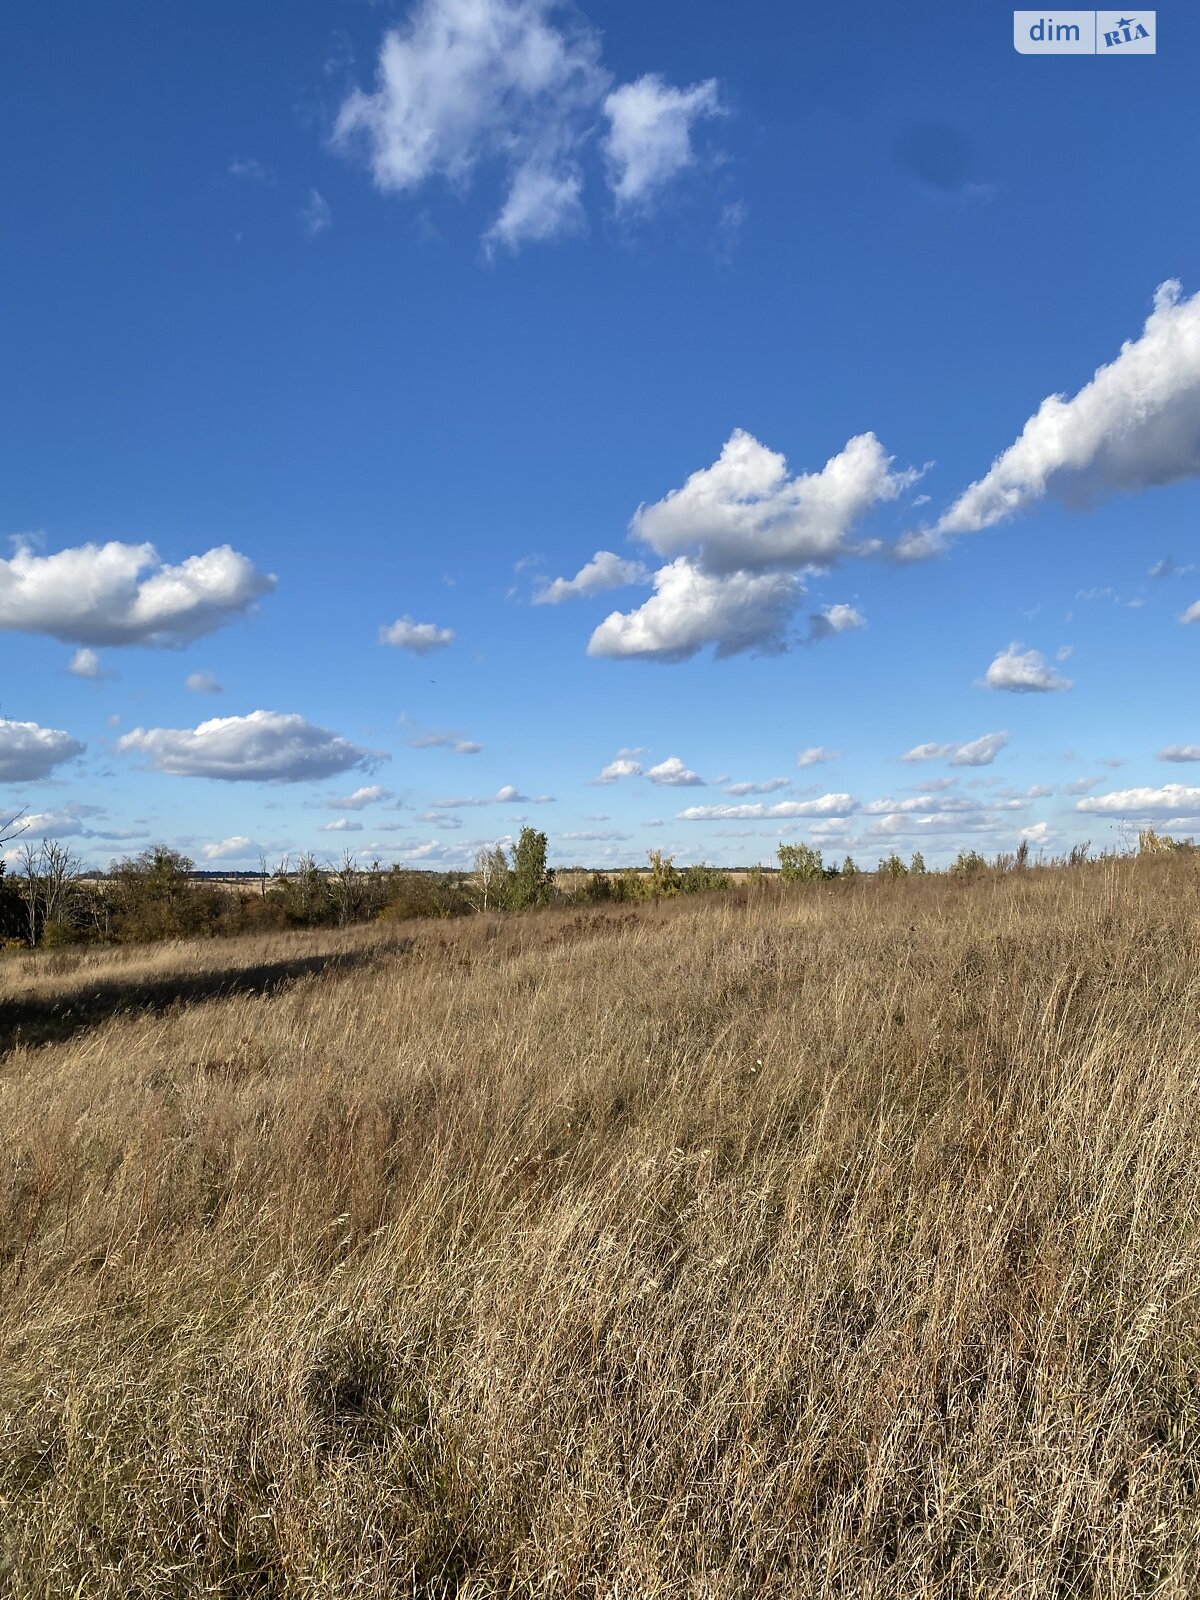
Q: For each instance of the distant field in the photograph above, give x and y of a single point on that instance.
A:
(841, 1241)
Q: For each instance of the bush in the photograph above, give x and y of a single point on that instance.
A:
(703, 879)
(799, 863)
(968, 864)
(892, 867)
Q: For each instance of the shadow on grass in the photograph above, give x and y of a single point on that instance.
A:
(37, 1020)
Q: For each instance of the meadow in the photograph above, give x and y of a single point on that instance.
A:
(837, 1239)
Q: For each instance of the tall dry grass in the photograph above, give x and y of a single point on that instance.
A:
(838, 1243)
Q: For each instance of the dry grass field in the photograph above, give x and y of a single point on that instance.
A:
(836, 1242)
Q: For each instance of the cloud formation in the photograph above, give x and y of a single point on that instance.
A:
(674, 774)
(625, 765)
(979, 752)
(828, 805)
(747, 513)
(1020, 671)
(123, 594)
(1180, 752)
(419, 637)
(465, 85)
(370, 795)
(1172, 800)
(815, 755)
(691, 608)
(29, 752)
(834, 619)
(265, 746)
(604, 571)
(202, 683)
(1135, 425)
(649, 140)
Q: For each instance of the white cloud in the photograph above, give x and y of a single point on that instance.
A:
(118, 594)
(834, 619)
(435, 739)
(1173, 799)
(508, 795)
(626, 765)
(922, 804)
(340, 825)
(828, 805)
(542, 204)
(649, 140)
(29, 752)
(1037, 833)
(674, 774)
(604, 571)
(238, 847)
(1180, 752)
(250, 168)
(369, 795)
(691, 609)
(1134, 425)
(316, 215)
(771, 786)
(468, 84)
(746, 513)
(1023, 672)
(85, 663)
(267, 746)
(419, 637)
(815, 755)
(1192, 614)
(202, 683)
(979, 752)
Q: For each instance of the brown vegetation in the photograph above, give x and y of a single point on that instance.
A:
(839, 1240)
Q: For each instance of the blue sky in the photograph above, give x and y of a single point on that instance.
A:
(335, 334)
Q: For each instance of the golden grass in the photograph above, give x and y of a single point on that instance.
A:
(835, 1243)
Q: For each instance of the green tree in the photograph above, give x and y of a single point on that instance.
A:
(917, 865)
(664, 879)
(850, 869)
(799, 863)
(531, 880)
(892, 867)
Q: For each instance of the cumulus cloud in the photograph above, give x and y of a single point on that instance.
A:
(1023, 672)
(691, 608)
(468, 84)
(419, 637)
(340, 825)
(29, 752)
(828, 805)
(674, 774)
(266, 746)
(73, 820)
(604, 571)
(626, 765)
(85, 663)
(1134, 425)
(238, 847)
(508, 795)
(748, 513)
(202, 683)
(649, 140)
(1180, 752)
(370, 795)
(121, 594)
(1192, 614)
(834, 619)
(771, 786)
(1172, 800)
(815, 755)
(979, 752)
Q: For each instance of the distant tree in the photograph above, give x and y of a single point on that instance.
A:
(490, 881)
(664, 879)
(531, 879)
(892, 867)
(799, 863)
(917, 865)
(849, 869)
(968, 864)
(1021, 859)
(703, 879)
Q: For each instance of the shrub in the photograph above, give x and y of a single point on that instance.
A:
(799, 863)
(968, 864)
(703, 879)
(892, 867)
(917, 865)
(850, 869)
